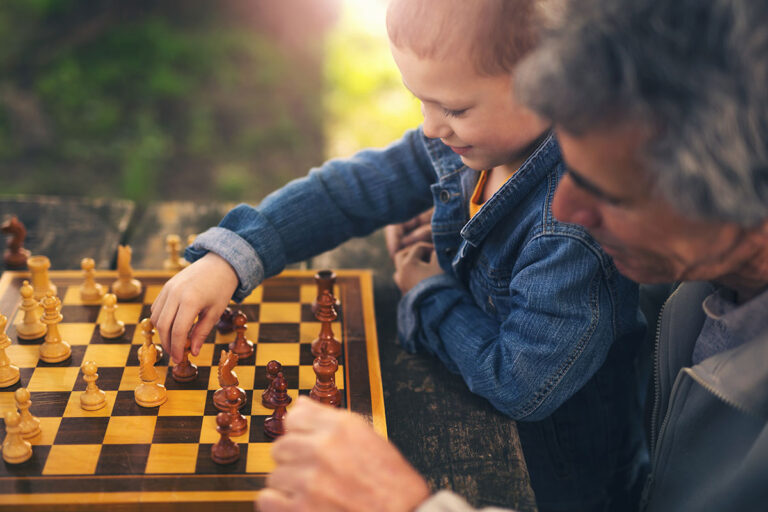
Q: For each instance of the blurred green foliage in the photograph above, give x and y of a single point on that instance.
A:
(148, 101)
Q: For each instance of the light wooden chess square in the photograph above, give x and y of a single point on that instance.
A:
(130, 430)
(76, 333)
(151, 292)
(255, 296)
(209, 434)
(130, 378)
(72, 297)
(205, 357)
(279, 312)
(74, 409)
(172, 458)
(107, 355)
(187, 402)
(259, 458)
(72, 459)
(308, 293)
(307, 377)
(49, 427)
(245, 375)
(286, 353)
(259, 410)
(23, 356)
(53, 379)
(128, 313)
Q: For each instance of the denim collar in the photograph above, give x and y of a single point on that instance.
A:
(508, 197)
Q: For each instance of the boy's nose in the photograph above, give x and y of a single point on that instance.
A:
(434, 125)
(575, 206)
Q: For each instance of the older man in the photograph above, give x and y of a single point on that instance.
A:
(661, 109)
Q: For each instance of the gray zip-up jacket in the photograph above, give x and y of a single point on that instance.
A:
(709, 427)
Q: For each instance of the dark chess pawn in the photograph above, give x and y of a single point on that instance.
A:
(242, 346)
(238, 423)
(186, 370)
(274, 426)
(225, 451)
(325, 390)
(325, 280)
(225, 324)
(273, 368)
(326, 313)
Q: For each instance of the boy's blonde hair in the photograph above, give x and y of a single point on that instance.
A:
(495, 34)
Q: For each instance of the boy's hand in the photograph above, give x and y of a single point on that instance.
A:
(202, 291)
(414, 264)
(332, 460)
(399, 236)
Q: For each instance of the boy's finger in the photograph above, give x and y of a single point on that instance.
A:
(182, 324)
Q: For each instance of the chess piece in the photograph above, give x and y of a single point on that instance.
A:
(110, 327)
(237, 422)
(38, 267)
(325, 280)
(186, 370)
(126, 287)
(15, 256)
(9, 374)
(191, 238)
(29, 426)
(225, 451)
(241, 346)
(227, 378)
(326, 313)
(90, 290)
(274, 426)
(174, 262)
(273, 368)
(325, 390)
(92, 399)
(54, 349)
(149, 393)
(225, 325)
(148, 331)
(16, 449)
(30, 328)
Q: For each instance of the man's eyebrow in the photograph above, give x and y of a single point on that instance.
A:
(584, 184)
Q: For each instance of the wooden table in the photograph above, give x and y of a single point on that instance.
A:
(453, 437)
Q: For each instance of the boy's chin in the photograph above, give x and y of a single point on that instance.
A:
(474, 164)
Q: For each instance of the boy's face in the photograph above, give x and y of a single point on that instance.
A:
(476, 115)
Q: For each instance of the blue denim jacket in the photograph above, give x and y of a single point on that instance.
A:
(528, 310)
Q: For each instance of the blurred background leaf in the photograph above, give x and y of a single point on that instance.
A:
(190, 99)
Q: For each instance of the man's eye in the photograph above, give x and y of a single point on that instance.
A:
(454, 113)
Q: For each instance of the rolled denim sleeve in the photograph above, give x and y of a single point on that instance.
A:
(556, 335)
(342, 199)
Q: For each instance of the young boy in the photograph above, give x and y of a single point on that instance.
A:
(529, 311)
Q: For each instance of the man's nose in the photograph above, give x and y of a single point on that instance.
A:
(435, 125)
(573, 205)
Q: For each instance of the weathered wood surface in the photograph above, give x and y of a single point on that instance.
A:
(69, 229)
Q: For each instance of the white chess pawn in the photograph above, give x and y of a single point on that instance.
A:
(148, 331)
(90, 290)
(92, 399)
(110, 326)
(54, 349)
(9, 374)
(16, 449)
(174, 261)
(29, 426)
(30, 327)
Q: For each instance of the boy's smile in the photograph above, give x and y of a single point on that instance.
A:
(475, 115)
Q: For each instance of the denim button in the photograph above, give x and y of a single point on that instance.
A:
(445, 196)
(448, 251)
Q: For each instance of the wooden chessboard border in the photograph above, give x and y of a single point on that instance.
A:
(363, 395)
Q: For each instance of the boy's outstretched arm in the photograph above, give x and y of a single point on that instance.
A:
(201, 291)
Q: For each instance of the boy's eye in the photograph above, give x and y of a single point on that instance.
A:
(454, 113)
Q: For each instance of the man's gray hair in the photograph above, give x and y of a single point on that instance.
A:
(695, 69)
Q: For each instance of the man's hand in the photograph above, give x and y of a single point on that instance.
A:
(399, 236)
(414, 264)
(332, 461)
(202, 291)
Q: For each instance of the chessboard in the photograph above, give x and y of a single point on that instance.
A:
(125, 457)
